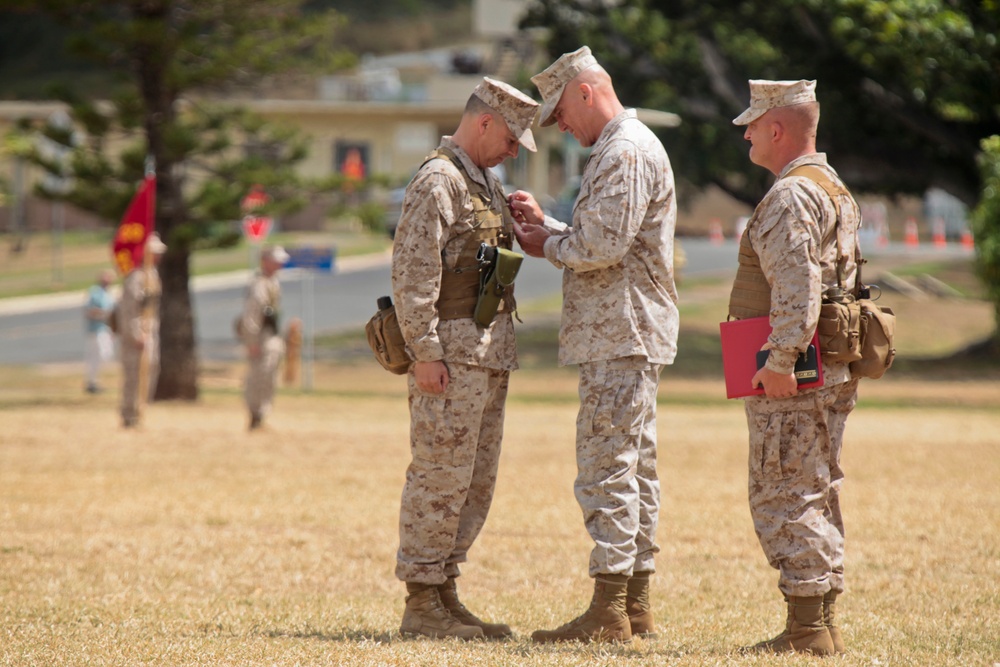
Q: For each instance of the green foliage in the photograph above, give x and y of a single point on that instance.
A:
(986, 223)
(209, 155)
(372, 217)
(907, 86)
(386, 9)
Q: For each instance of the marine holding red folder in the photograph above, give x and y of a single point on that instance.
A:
(799, 243)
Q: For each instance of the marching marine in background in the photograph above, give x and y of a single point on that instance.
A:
(258, 328)
(138, 324)
(454, 213)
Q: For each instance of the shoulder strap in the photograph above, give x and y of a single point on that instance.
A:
(477, 191)
(820, 178)
(442, 153)
(833, 190)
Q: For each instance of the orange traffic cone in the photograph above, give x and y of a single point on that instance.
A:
(883, 235)
(912, 238)
(967, 241)
(715, 231)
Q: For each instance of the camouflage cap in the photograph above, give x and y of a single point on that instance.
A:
(552, 81)
(516, 108)
(767, 95)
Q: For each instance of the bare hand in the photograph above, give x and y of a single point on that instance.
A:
(525, 209)
(776, 385)
(531, 238)
(431, 376)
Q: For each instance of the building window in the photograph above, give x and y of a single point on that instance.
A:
(350, 159)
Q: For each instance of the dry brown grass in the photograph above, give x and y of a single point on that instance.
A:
(191, 542)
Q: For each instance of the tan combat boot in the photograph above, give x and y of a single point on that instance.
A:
(449, 598)
(804, 632)
(425, 615)
(604, 621)
(640, 616)
(829, 602)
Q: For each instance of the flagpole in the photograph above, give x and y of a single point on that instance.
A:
(147, 307)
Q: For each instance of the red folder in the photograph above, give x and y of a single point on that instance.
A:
(741, 340)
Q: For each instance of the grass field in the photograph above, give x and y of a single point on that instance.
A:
(191, 542)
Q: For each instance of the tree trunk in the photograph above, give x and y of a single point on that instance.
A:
(178, 376)
(178, 361)
(178, 358)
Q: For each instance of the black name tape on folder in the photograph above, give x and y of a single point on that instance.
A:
(742, 357)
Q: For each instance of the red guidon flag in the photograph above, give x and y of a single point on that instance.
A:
(135, 228)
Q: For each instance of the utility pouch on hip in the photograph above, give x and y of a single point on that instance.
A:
(878, 329)
(386, 339)
(839, 326)
(498, 268)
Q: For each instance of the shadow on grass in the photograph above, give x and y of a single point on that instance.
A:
(520, 645)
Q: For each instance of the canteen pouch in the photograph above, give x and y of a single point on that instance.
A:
(270, 319)
(839, 327)
(498, 268)
(386, 339)
(878, 328)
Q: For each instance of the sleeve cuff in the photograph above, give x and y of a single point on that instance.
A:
(781, 361)
(554, 225)
(426, 351)
(551, 251)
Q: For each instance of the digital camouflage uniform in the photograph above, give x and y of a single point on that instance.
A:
(454, 436)
(619, 323)
(139, 317)
(263, 296)
(795, 443)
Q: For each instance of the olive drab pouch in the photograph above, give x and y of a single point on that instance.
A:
(498, 268)
(386, 339)
(878, 329)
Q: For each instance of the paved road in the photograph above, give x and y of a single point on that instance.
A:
(49, 329)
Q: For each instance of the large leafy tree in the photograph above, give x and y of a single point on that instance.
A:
(170, 58)
(908, 87)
